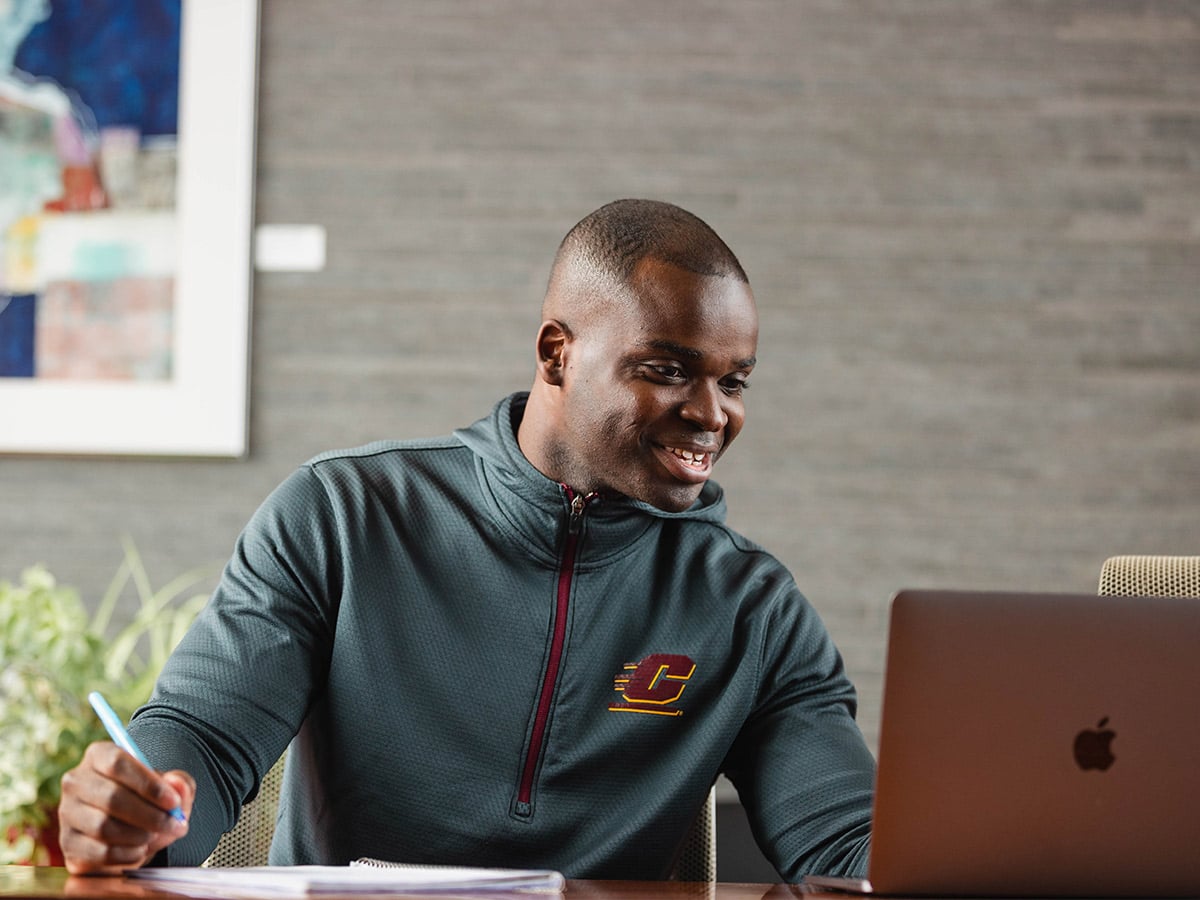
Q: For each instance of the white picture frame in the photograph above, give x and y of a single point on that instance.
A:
(202, 409)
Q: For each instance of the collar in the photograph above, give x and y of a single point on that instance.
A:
(535, 510)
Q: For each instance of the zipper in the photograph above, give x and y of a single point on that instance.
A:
(566, 572)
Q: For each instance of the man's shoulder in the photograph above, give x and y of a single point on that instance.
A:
(719, 531)
(743, 561)
(397, 449)
(387, 464)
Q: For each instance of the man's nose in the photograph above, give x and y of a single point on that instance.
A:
(704, 407)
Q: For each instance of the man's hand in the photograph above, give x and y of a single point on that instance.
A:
(115, 812)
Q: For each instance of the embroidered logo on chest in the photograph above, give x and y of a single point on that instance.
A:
(652, 685)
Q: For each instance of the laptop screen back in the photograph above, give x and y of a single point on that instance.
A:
(1039, 744)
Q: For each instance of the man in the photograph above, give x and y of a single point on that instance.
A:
(532, 643)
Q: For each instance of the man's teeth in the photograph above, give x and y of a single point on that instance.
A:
(696, 460)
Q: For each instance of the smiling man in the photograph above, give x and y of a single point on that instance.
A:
(531, 643)
(647, 342)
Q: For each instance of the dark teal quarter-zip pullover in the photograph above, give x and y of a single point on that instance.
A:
(475, 666)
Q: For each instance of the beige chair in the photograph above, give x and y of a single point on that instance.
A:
(249, 841)
(698, 857)
(1151, 576)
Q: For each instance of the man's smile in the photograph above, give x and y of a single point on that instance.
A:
(688, 464)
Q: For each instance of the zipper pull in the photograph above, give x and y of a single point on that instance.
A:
(578, 503)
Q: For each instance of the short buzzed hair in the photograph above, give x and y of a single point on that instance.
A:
(615, 238)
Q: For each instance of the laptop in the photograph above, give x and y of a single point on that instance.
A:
(1037, 745)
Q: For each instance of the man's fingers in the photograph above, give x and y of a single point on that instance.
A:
(93, 841)
(185, 786)
(115, 812)
(131, 791)
(88, 856)
(102, 824)
(92, 805)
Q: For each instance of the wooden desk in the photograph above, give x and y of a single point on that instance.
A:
(40, 882)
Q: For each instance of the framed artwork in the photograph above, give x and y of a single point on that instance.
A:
(126, 206)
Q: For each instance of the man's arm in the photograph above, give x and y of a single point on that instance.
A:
(801, 766)
(228, 700)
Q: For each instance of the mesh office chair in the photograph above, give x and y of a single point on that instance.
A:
(249, 841)
(1151, 576)
(698, 857)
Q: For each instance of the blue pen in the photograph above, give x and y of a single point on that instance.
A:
(116, 731)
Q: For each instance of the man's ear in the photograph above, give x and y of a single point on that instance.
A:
(552, 340)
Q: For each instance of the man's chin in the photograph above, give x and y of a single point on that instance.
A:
(676, 500)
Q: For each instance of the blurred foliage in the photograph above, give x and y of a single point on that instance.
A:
(53, 654)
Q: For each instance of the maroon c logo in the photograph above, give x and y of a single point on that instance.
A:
(652, 684)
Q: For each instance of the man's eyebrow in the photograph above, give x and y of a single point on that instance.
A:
(676, 349)
(692, 353)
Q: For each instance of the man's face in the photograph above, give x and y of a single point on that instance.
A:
(652, 391)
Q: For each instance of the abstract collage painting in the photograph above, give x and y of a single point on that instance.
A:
(107, 232)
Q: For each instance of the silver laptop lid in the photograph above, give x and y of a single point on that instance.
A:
(1039, 744)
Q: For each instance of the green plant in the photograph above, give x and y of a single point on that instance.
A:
(53, 654)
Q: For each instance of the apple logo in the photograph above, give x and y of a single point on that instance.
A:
(1092, 746)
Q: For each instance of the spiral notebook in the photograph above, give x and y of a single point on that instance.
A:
(363, 876)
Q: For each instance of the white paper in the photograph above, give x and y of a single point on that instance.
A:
(276, 881)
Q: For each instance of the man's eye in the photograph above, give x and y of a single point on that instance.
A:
(735, 386)
(671, 373)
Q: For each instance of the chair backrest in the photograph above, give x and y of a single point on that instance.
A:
(249, 841)
(1151, 576)
(697, 859)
